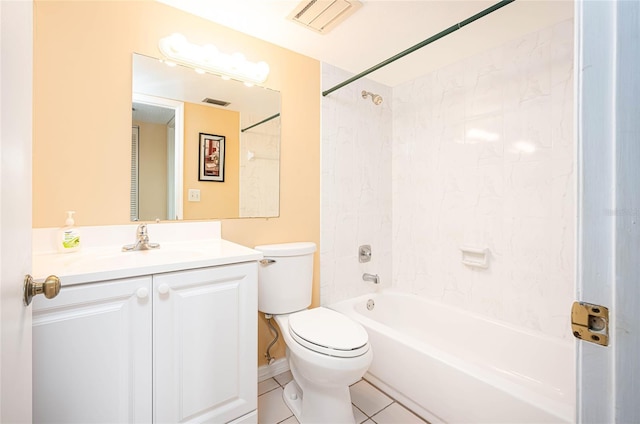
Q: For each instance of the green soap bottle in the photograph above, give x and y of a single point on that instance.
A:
(69, 236)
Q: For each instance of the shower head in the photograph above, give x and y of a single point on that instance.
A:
(375, 98)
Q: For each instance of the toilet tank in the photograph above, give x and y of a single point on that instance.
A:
(285, 277)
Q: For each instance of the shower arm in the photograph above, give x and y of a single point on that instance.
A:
(429, 40)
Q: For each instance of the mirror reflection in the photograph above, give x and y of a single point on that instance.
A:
(171, 108)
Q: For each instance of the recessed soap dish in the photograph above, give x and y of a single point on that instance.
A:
(476, 257)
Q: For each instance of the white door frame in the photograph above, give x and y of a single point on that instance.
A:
(608, 131)
(16, 88)
(178, 148)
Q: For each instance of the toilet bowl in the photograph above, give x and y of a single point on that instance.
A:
(323, 364)
(326, 351)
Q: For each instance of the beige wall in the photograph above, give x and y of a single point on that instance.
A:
(82, 111)
(152, 171)
(216, 198)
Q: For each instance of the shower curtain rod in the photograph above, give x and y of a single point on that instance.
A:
(261, 122)
(429, 40)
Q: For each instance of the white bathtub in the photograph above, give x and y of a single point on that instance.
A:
(449, 365)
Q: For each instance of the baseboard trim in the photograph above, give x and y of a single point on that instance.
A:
(277, 367)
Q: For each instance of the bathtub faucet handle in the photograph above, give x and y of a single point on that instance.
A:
(364, 253)
(371, 277)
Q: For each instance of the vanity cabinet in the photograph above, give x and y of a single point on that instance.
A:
(92, 354)
(205, 344)
(166, 348)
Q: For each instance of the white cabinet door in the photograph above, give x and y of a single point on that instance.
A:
(205, 343)
(92, 354)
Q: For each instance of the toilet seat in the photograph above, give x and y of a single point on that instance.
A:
(328, 332)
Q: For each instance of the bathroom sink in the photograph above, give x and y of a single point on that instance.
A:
(152, 257)
(175, 255)
(110, 262)
(183, 246)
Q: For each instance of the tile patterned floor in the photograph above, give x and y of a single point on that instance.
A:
(370, 405)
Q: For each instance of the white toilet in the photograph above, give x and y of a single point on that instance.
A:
(327, 351)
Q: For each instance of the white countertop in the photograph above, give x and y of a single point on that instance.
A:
(108, 263)
(182, 246)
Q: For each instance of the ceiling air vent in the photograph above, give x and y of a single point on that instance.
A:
(216, 102)
(323, 15)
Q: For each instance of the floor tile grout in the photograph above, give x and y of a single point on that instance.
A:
(269, 391)
(285, 419)
(355, 406)
(369, 418)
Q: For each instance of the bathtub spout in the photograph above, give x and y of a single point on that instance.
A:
(371, 277)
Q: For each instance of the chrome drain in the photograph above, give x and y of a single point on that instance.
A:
(370, 304)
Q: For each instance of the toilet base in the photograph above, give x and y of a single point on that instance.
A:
(292, 396)
(325, 408)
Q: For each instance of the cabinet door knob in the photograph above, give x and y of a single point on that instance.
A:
(142, 292)
(163, 288)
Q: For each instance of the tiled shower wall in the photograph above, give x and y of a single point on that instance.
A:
(356, 186)
(483, 156)
(259, 169)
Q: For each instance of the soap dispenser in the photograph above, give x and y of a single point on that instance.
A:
(69, 236)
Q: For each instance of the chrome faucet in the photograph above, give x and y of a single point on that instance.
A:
(143, 241)
(371, 277)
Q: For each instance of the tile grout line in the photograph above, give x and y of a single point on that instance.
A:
(393, 401)
(269, 391)
(368, 417)
(371, 417)
(281, 386)
(285, 419)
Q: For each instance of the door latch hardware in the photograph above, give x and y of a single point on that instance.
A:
(50, 288)
(590, 323)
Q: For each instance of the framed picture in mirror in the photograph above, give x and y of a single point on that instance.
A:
(211, 162)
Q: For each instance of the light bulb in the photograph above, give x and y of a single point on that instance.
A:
(207, 58)
(177, 43)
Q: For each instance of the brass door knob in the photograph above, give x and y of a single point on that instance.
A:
(50, 288)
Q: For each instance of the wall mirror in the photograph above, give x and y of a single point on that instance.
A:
(171, 107)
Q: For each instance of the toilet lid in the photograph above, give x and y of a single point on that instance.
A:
(329, 332)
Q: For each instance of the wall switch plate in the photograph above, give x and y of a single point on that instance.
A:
(194, 195)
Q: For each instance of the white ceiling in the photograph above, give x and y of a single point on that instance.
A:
(382, 28)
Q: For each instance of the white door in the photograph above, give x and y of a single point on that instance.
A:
(608, 89)
(16, 37)
(204, 343)
(92, 354)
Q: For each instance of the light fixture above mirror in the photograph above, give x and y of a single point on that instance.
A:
(207, 58)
